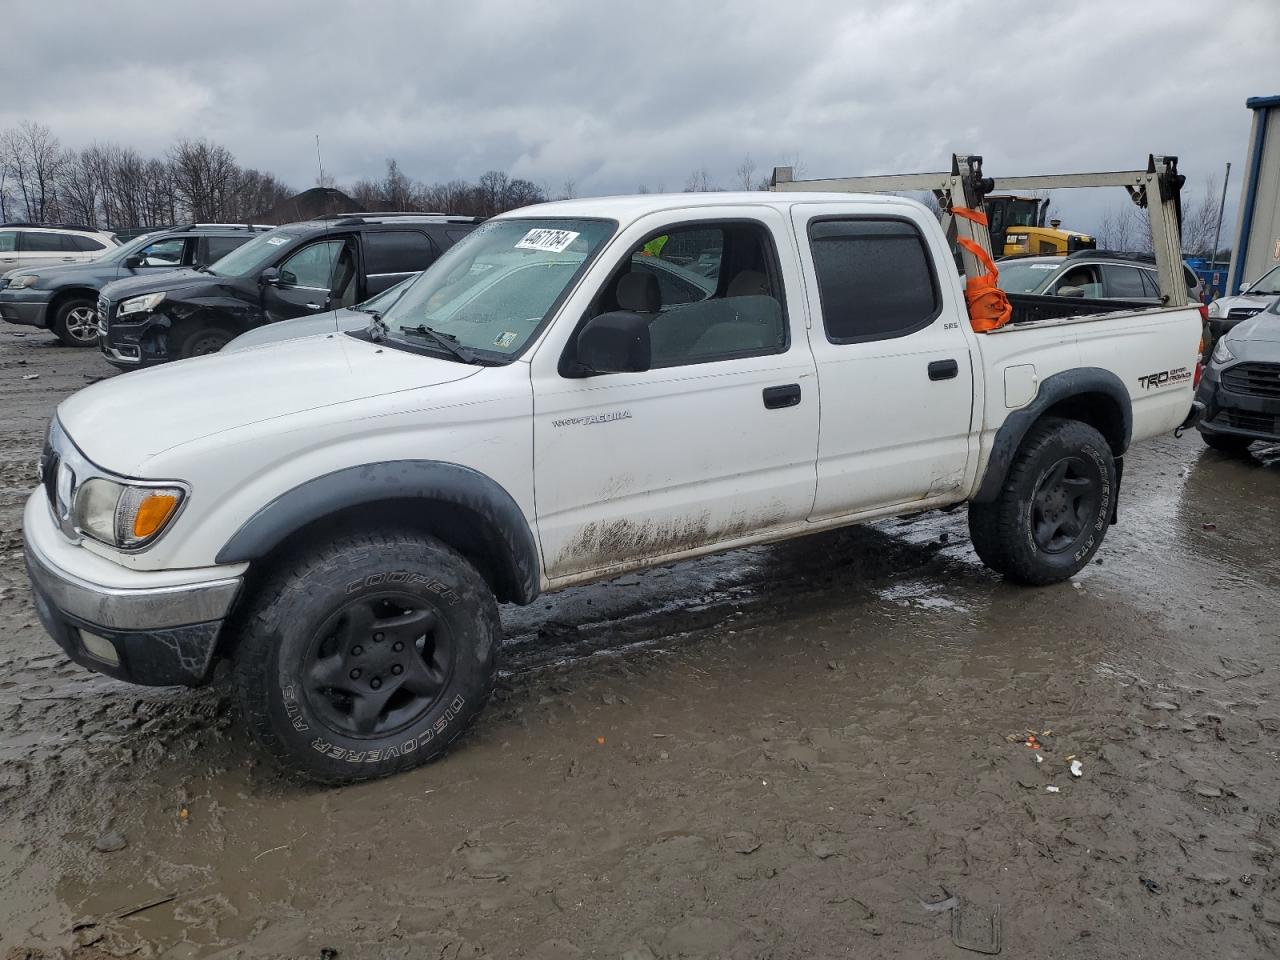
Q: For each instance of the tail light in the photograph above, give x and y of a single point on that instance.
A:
(1204, 312)
(1199, 359)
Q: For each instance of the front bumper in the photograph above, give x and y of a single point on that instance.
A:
(141, 627)
(144, 342)
(27, 307)
(1229, 413)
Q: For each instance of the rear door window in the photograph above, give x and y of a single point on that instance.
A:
(36, 241)
(1122, 283)
(875, 278)
(397, 252)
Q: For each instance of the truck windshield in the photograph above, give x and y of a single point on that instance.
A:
(1024, 277)
(244, 260)
(492, 291)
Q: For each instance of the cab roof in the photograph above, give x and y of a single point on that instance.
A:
(630, 207)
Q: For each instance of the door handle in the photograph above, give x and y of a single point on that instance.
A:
(943, 369)
(775, 398)
(315, 306)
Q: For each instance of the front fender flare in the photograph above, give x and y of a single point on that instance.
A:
(1066, 385)
(505, 531)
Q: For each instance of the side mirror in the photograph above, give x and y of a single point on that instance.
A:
(1071, 291)
(1244, 287)
(270, 277)
(615, 343)
(134, 262)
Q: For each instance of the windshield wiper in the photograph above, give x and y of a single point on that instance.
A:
(445, 341)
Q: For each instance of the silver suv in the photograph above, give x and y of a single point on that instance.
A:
(24, 245)
(1092, 275)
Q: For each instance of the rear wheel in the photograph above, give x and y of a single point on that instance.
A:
(1227, 443)
(367, 656)
(76, 323)
(1052, 512)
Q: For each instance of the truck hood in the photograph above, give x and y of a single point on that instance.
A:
(123, 422)
(168, 280)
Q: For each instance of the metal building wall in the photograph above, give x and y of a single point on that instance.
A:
(1257, 241)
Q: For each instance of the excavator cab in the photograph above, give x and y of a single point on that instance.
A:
(1017, 228)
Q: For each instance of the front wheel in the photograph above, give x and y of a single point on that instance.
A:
(1052, 511)
(367, 656)
(202, 341)
(76, 323)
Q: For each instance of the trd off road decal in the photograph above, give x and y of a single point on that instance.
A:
(1164, 378)
(398, 750)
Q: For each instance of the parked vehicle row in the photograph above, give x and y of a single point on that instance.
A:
(26, 245)
(297, 270)
(63, 297)
(570, 391)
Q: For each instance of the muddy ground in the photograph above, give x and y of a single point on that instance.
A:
(784, 752)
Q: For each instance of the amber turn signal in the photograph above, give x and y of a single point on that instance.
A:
(153, 512)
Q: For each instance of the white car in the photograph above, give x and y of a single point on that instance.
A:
(27, 245)
(550, 404)
(1253, 298)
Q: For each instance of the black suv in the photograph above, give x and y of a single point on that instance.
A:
(294, 270)
(62, 298)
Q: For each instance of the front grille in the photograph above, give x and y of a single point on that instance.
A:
(1254, 379)
(49, 476)
(1253, 422)
(1242, 313)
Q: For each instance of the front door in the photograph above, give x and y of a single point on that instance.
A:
(893, 360)
(714, 442)
(307, 280)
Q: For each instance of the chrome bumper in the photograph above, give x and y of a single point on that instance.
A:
(130, 608)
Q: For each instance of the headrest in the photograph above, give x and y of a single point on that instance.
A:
(638, 292)
(749, 283)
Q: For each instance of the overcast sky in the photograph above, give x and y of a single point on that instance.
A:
(611, 96)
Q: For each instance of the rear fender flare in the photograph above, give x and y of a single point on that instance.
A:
(1064, 386)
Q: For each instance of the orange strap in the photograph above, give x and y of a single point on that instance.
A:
(989, 308)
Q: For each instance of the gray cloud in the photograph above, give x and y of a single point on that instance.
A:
(614, 96)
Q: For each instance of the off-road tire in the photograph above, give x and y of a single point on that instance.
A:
(278, 656)
(1227, 443)
(199, 341)
(76, 322)
(1005, 531)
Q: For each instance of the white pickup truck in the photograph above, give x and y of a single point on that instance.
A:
(574, 390)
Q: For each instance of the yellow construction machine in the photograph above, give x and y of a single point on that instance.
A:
(1017, 228)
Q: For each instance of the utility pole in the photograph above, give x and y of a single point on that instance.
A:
(1217, 233)
(320, 166)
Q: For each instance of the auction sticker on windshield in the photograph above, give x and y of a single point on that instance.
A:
(277, 241)
(551, 241)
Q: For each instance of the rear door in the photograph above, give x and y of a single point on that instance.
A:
(38, 248)
(894, 371)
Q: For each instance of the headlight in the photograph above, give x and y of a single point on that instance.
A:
(124, 514)
(1214, 309)
(1222, 353)
(140, 304)
(23, 281)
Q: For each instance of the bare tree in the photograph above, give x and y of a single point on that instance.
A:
(700, 182)
(205, 177)
(746, 173)
(1200, 221)
(33, 160)
(1125, 228)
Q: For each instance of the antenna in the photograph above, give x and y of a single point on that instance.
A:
(319, 164)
